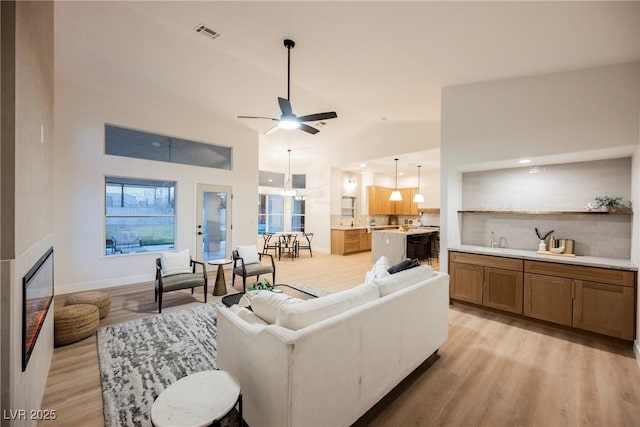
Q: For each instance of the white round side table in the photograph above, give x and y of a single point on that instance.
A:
(199, 399)
(220, 287)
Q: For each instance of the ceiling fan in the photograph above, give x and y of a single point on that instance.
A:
(288, 120)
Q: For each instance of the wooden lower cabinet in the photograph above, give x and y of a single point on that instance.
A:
(487, 280)
(594, 299)
(349, 241)
(466, 282)
(548, 298)
(604, 308)
(502, 289)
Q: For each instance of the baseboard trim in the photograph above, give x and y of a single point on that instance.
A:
(102, 284)
(636, 351)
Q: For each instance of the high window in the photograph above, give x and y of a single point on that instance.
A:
(139, 215)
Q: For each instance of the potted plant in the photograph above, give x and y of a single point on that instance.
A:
(264, 284)
(608, 203)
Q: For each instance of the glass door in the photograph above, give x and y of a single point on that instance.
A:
(213, 222)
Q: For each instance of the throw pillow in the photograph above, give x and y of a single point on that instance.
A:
(249, 254)
(404, 265)
(265, 304)
(379, 270)
(175, 262)
(403, 279)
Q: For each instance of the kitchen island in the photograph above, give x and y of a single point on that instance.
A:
(393, 243)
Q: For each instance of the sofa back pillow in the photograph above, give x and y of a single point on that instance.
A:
(305, 313)
(403, 279)
(265, 304)
(247, 315)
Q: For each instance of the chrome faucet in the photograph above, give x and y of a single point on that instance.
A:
(493, 242)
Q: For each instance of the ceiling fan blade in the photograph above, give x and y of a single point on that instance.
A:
(285, 106)
(308, 129)
(272, 130)
(257, 117)
(318, 116)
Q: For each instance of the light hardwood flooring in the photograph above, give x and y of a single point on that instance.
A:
(494, 370)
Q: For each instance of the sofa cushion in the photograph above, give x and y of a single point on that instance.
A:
(379, 270)
(305, 313)
(249, 254)
(265, 304)
(247, 315)
(403, 279)
(175, 262)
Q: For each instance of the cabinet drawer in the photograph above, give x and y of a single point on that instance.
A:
(486, 260)
(604, 275)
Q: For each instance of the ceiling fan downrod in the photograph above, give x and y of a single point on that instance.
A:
(289, 44)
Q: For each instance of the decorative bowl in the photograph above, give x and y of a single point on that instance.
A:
(557, 250)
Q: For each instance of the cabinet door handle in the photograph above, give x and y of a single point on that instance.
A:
(573, 289)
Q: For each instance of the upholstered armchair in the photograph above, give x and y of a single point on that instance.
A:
(176, 270)
(247, 262)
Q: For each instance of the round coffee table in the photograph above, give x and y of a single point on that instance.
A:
(198, 399)
(220, 287)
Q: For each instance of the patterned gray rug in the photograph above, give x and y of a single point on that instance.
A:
(139, 359)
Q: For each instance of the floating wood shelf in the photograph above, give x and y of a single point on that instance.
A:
(429, 210)
(505, 212)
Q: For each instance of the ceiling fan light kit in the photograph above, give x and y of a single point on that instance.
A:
(288, 120)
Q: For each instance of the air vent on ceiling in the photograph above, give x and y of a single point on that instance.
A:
(206, 31)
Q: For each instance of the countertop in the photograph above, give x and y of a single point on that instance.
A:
(363, 227)
(613, 263)
(411, 231)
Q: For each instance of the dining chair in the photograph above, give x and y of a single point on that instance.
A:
(270, 243)
(304, 246)
(288, 245)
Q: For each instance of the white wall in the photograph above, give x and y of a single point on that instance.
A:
(80, 167)
(554, 114)
(635, 237)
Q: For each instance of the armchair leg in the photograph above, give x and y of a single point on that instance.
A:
(274, 277)
(159, 302)
(191, 291)
(244, 284)
(155, 295)
(205, 292)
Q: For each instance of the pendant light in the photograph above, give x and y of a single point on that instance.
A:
(288, 191)
(418, 198)
(395, 194)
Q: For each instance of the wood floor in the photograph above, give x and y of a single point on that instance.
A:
(494, 370)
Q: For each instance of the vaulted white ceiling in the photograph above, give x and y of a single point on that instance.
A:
(368, 61)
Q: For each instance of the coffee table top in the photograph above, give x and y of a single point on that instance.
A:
(291, 290)
(197, 399)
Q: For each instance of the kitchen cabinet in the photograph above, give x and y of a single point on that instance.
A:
(600, 300)
(349, 241)
(379, 203)
(490, 281)
(548, 298)
(595, 299)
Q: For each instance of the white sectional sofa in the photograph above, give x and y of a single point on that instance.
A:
(326, 361)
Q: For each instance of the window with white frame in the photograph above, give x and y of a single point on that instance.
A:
(270, 213)
(297, 213)
(139, 215)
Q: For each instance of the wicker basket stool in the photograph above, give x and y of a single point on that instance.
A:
(73, 323)
(101, 300)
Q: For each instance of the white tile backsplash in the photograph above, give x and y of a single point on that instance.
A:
(594, 235)
(563, 187)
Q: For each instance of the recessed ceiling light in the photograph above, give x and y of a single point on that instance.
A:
(363, 165)
(525, 161)
(400, 173)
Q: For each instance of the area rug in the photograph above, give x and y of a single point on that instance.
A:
(139, 359)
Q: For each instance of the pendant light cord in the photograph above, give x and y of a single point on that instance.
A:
(396, 173)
